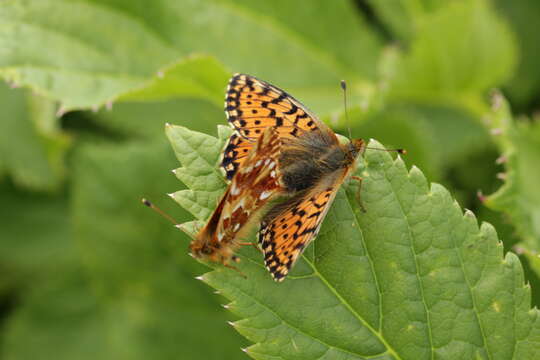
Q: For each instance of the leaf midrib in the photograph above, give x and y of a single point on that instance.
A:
(289, 324)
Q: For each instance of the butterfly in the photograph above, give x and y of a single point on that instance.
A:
(312, 164)
(256, 183)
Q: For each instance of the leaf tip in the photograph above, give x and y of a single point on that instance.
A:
(496, 100)
(501, 159)
(480, 195)
(61, 111)
(469, 213)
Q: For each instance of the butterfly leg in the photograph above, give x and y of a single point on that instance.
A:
(358, 192)
(236, 259)
(250, 244)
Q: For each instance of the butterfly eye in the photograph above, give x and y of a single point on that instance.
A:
(206, 250)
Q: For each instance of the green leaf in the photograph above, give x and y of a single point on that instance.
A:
(460, 50)
(519, 196)
(138, 269)
(32, 147)
(414, 277)
(201, 77)
(196, 152)
(524, 85)
(99, 49)
(45, 249)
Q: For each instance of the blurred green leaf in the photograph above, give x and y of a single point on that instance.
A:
(383, 285)
(398, 127)
(145, 120)
(99, 49)
(523, 16)
(460, 50)
(140, 273)
(402, 17)
(201, 77)
(58, 318)
(519, 196)
(435, 137)
(32, 147)
(36, 232)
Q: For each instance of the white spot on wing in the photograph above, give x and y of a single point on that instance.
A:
(265, 195)
(239, 205)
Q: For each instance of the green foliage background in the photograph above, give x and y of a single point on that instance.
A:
(87, 272)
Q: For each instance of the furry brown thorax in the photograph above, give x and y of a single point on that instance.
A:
(313, 155)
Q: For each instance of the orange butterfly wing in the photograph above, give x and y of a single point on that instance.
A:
(255, 184)
(252, 105)
(289, 228)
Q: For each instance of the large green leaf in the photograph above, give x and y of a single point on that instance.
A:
(402, 17)
(196, 77)
(519, 196)
(32, 147)
(414, 277)
(98, 49)
(459, 51)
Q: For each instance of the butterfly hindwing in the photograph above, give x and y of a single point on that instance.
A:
(253, 105)
(289, 228)
(256, 183)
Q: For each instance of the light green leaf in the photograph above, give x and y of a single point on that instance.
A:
(460, 50)
(196, 152)
(201, 77)
(519, 196)
(32, 147)
(414, 277)
(99, 49)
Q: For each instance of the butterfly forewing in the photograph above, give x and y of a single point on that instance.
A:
(289, 228)
(253, 105)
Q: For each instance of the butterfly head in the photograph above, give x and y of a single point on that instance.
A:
(202, 249)
(355, 147)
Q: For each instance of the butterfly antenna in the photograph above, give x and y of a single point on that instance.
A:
(159, 211)
(399, 151)
(344, 88)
